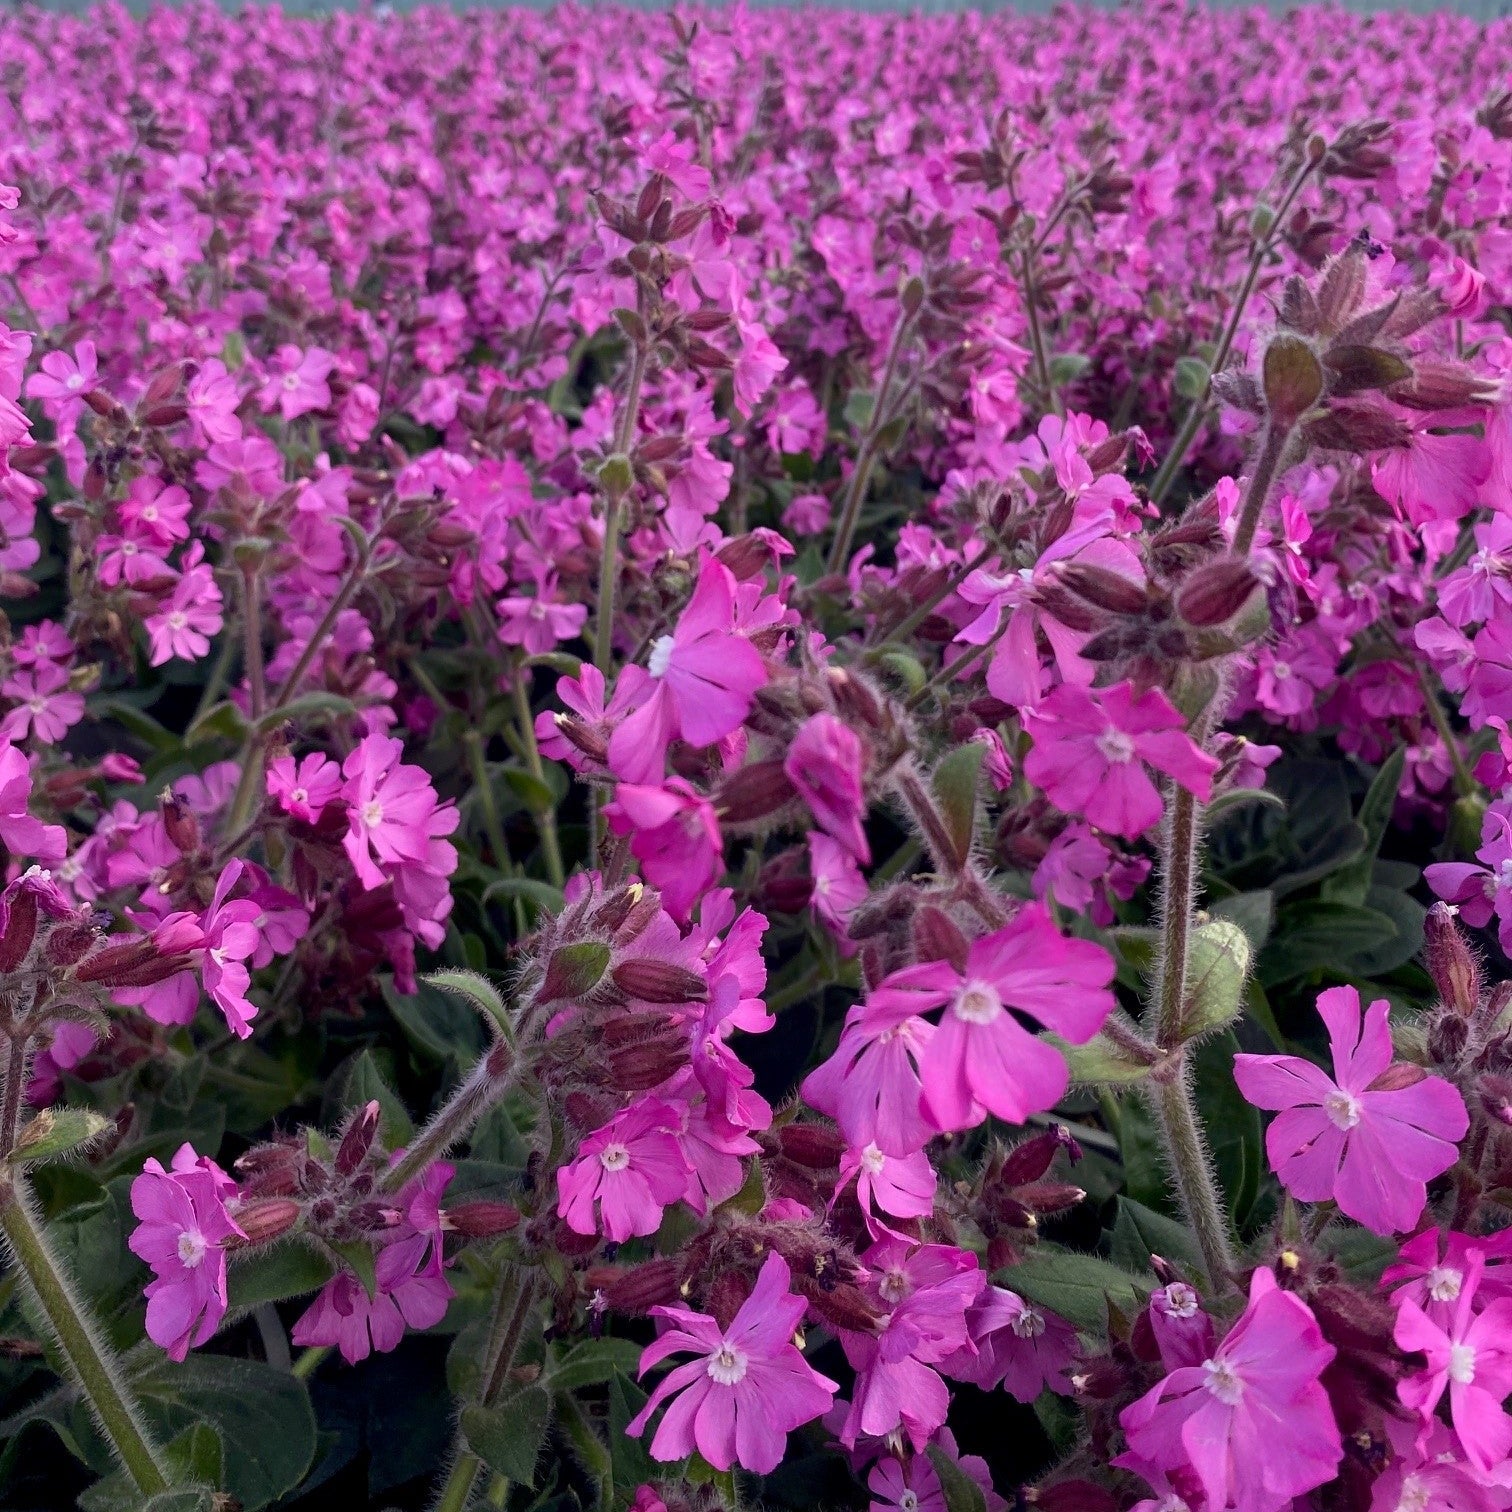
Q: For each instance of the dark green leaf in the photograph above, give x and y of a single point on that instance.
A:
(508, 1437)
(1253, 912)
(1351, 882)
(592, 1362)
(632, 1465)
(472, 988)
(962, 1494)
(1139, 1233)
(435, 1023)
(308, 706)
(1232, 1125)
(1074, 1285)
(365, 1084)
(1315, 935)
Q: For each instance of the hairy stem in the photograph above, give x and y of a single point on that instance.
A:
(1192, 1170)
(252, 644)
(1267, 465)
(545, 816)
(88, 1362)
(488, 1082)
(457, 1492)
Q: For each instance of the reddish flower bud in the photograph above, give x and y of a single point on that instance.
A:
(113, 964)
(652, 981)
(165, 415)
(481, 1220)
(20, 929)
(813, 1145)
(1072, 1496)
(582, 735)
(265, 1219)
(937, 937)
(1450, 961)
(1356, 428)
(358, 1139)
(179, 822)
(1103, 588)
(754, 792)
(1496, 1097)
(843, 1306)
(634, 1292)
(1216, 592)
(639, 1067)
(1447, 1036)
(69, 942)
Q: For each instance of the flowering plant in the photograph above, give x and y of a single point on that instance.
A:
(716, 794)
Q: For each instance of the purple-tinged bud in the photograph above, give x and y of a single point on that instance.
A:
(817, 1147)
(634, 1292)
(1292, 379)
(1450, 961)
(574, 971)
(358, 1139)
(1103, 588)
(1496, 1097)
(20, 929)
(270, 1170)
(1030, 1160)
(1071, 1496)
(640, 1066)
(69, 942)
(1445, 385)
(843, 1306)
(265, 1219)
(481, 1220)
(1398, 1078)
(651, 981)
(1216, 592)
(1447, 1037)
(1351, 427)
(937, 937)
(582, 735)
(754, 792)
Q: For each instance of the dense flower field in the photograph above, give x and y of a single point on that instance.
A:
(756, 760)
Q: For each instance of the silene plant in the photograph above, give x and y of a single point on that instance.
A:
(756, 760)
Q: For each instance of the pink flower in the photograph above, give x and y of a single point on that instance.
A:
(839, 888)
(182, 1231)
(297, 382)
(704, 675)
(306, 790)
(902, 1186)
(151, 513)
(633, 1168)
(19, 832)
(212, 397)
(1371, 1136)
(46, 705)
(1431, 1268)
(1090, 749)
(538, 624)
(981, 1059)
(63, 382)
(389, 807)
(1253, 1423)
(749, 1386)
(676, 839)
(825, 762)
(231, 932)
(1433, 477)
(189, 616)
(1470, 1357)
(1015, 1345)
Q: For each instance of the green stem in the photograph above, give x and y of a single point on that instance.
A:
(86, 1356)
(1178, 898)
(1267, 465)
(1192, 1170)
(457, 1492)
(310, 1360)
(252, 647)
(1464, 779)
(1037, 335)
(545, 817)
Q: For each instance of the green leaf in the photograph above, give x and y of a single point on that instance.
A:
(275, 1273)
(1233, 1126)
(357, 1255)
(1099, 1063)
(1236, 798)
(55, 1131)
(364, 1084)
(196, 1456)
(542, 894)
(592, 1362)
(1253, 912)
(1139, 1233)
(1074, 1285)
(955, 786)
(1217, 961)
(508, 1436)
(262, 1416)
(307, 706)
(905, 669)
(1191, 378)
(435, 1023)
(962, 1494)
(1351, 882)
(472, 988)
(532, 791)
(632, 1465)
(859, 404)
(1067, 367)
(1314, 935)
(134, 721)
(194, 1464)
(222, 721)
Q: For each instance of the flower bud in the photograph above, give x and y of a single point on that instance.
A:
(1444, 385)
(1102, 588)
(179, 822)
(647, 1063)
(653, 981)
(481, 1220)
(20, 929)
(1072, 1496)
(1450, 961)
(358, 1139)
(616, 475)
(1446, 1039)
(937, 937)
(1352, 427)
(69, 942)
(1496, 1097)
(1216, 592)
(582, 735)
(1292, 379)
(574, 971)
(754, 792)
(843, 1306)
(818, 1147)
(265, 1219)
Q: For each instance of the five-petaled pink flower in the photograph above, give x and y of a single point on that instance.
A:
(182, 1234)
(389, 807)
(675, 837)
(1253, 1423)
(704, 674)
(297, 382)
(749, 1386)
(1372, 1135)
(980, 1059)
(1090, 750)
(20, 833)
(633, 1168)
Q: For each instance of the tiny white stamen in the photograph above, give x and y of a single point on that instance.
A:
(727, 1365)
(1180, 1300)
(191, 1248)
(1342, 1108)
(894, 1286)
(977, 1003)
(1444, 1283)
(1116, 747)
(614, 1157)
(372, 813)
(1462, 1364)
(661, 655)
(1222, 1381)
(872, 1159)
(1029, 1324)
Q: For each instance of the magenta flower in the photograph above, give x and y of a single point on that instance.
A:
(389, 808)
(539, 623)
(825, 762)
(749, 1386)
(902, 1186)
(633, 1168)
(305, 790)
(212, 397)
(839, 889)
(1372, 1135)
(189, 616)
(1470, 1357)
(63, 382)
(980, 1059)
(1015, 1345)
(19, 832)
(676, 839)
(297, 382)
(1252, 1423)
(1090, 750)
(704, 675)
(182, 1232)
(46, 705)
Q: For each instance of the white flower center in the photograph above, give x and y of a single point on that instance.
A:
(1181, 1300)
(372, 813)
(1444, 1283)
(300, 795)
(872, 1159)
(74, 381)
(128, 548)
(614, 1157)
(1029, 1324)
(191, 1248)
(1503, 876)
(538, 610)
(291, 381)
(977, 1003)
(150, 513)
(894, 1286)
(1117, 748)
(727, 1365)
(1415, 1495)
(908, 1502)
(661, 655)
(177, 620)
(1280, 670)
(1222, 1381)
(1462, 1364)
(1343, 1109)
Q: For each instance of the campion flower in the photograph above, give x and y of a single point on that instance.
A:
(704, 674)
(389, 808)
(297, 382)
(981, 1059)
(304, 789)
(1431, 1268)
(633, 1169)
(674, 835)
(190, 614)
(825, 763)
(749, 1386)
(1091, 747)
(182, 1231)
(1253, 1422)
(1470, 1357)
(913, 1485)
(1371, 1136)
(1015, 1345)
(46, 706)
(21, 834)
